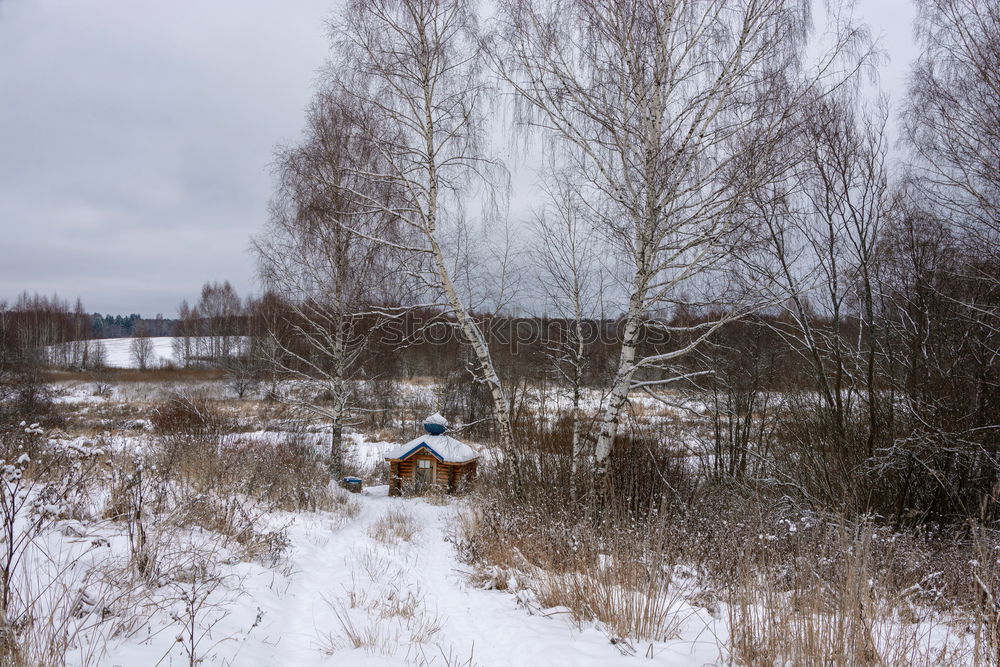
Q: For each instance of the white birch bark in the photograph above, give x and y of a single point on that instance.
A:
(413, 71)
(662, 108)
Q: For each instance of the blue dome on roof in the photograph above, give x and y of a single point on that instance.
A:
(436, 424)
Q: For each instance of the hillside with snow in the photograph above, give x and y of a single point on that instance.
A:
(118, 352)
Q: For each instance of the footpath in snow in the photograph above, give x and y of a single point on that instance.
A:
(385, 588)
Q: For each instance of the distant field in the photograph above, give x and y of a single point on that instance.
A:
(119, 354)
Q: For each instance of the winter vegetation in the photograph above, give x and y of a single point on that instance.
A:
(730, 395)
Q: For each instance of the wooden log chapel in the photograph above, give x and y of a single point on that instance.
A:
(433, 459)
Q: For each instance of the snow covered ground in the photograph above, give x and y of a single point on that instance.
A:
(351, 595)
(118, 352)
(375, 581)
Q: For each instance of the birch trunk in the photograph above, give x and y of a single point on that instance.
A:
(474, 335)
(576, 452)
(663, 110)
(620, 387)
(413, 70)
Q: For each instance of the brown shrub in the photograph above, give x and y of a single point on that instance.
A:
(186, 413)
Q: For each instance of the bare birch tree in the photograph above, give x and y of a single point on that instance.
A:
(952, 124)
(414, 68)
(185, 334)
(141, 347)
(952, 119)
(662, 108)
(328, 277)
(947, 290)
(566, 253)
(218, 314)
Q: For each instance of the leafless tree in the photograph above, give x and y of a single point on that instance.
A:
(413, 68)
(943, 287)
(316, 256)
(218, 314)
(141, 347)
(566, 252)
(952, 123)
(79, 347)
(946, 370)
(663, 109)
(952, 118)
(821, 235)
(185, 334)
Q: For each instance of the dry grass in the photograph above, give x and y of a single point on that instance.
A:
(443, 656)
(285, 476)
(53, 611)
(794, 587)
(628, 600)
(850, 615)
(236, 520)
(621, 580)
(54, 620)
(344, 504)
(373, 636)
(194, 480)
(95, 419)
(387, 611)
(410, 607)
(394, 526)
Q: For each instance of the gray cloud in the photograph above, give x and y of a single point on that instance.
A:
(135, 138)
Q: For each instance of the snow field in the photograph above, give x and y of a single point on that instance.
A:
(118, 352)
(351, 593)
(375, 581)
(375, 596)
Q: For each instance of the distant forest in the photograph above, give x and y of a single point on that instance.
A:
(125, 326)
(56, 321)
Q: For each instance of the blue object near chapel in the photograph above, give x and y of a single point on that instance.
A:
(436, 424)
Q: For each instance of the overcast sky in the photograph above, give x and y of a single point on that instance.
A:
(136, 137)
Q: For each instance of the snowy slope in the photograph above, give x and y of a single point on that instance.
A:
(349, 598)
(346, 581)
(118, 352)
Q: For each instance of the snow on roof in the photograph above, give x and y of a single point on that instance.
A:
(444, 447)
(436, 418)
